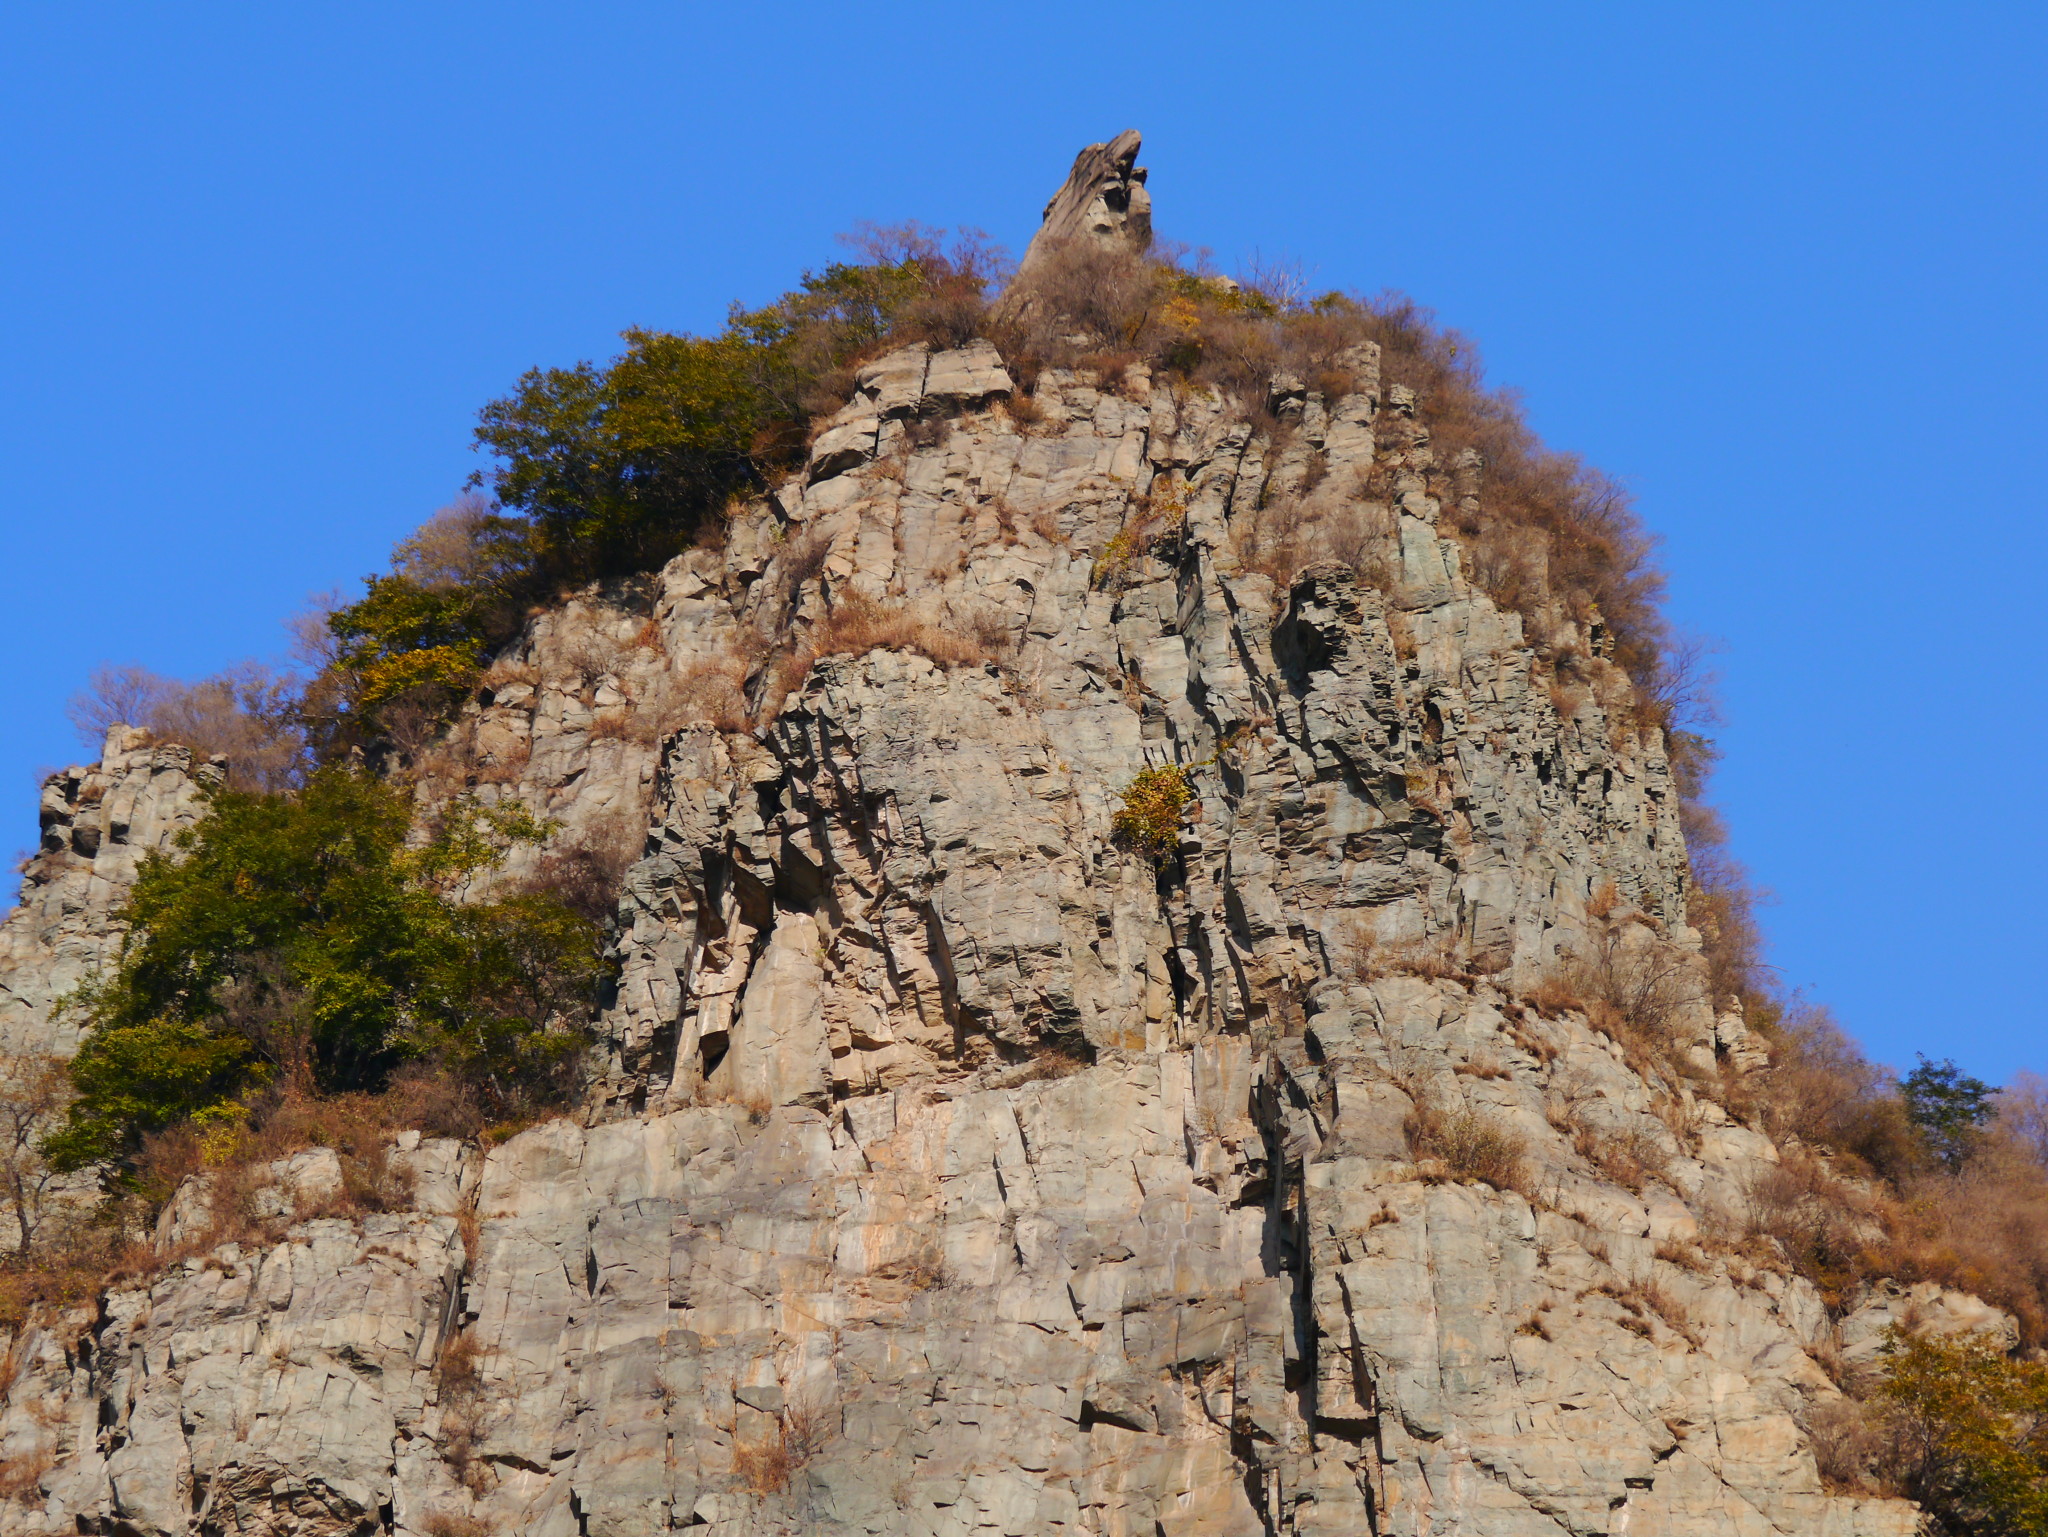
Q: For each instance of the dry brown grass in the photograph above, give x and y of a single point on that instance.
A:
(855, 625)
(1025, 412)
(1686, 1256)
(1483, 1067)
(1458, 1144)
(1664, 1301)
(81, 1257)
(1365, 958)
(84, 1255)
(21, 1477)
(1547, 532)
(765, 1466)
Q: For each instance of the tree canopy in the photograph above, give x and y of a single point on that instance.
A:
(1948, 1107)
(305, 941)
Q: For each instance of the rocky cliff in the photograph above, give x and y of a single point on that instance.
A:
(950, 1165)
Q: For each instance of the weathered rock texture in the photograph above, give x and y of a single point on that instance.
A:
(1104, 200)
(945, 1167)
(97, 823)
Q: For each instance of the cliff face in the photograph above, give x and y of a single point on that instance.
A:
(945, 1165)
(97, 822)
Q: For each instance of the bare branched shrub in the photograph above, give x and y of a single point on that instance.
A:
(765, 1466)
(1982, 1230)
(1851, 1445)
(1630, 982)
(951, 307)
(1288, 534)
(73, 1259)
(712, 689)
(1083, 298)
(2023, 1115)
(1879, 1204)
(34, 1090)
(587, 870)
(1459, 1144)
(1628, 1155)
(800, 562)
(1281, 281)
(245, 714)
(987, 629)
(1821, 1089)
(1826, 1229)
(459, 1382)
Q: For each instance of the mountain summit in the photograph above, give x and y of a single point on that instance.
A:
(1153, 978)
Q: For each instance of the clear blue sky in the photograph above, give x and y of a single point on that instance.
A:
(1781, 267)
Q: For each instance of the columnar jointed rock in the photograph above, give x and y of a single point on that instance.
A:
(948, 1167)
(97, 822)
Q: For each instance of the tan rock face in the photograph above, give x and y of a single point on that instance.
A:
(947, 1167)
(1104, 199)
(97, 823)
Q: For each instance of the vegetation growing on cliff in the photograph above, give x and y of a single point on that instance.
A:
(1148, 819)
(304, 943)
(305, 949)
(603, 471)
(1969, 1427)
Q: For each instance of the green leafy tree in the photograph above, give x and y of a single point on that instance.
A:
(403, 638)
(307, 941)
(1948, 1108)
(1973, 1434)
(613, 468)
(605, 470)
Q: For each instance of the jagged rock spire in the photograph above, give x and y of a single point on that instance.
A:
(1104, 199)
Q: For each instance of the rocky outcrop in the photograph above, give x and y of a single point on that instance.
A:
(1103, 201)
(97, 823)
(949, 1165)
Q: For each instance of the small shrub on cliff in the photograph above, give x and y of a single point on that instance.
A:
(1459, 1144)
(304, 941)
(1971, 1432)
(1150, 816)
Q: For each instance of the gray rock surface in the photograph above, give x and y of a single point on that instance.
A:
(1103, 199)
(948, 1168)
(97, 823)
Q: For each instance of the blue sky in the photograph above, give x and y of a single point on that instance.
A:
(1779, 267)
